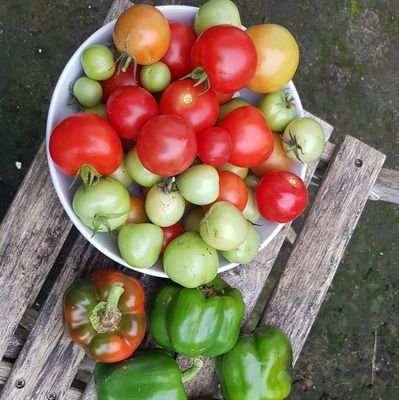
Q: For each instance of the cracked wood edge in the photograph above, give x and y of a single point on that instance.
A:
(320, 245)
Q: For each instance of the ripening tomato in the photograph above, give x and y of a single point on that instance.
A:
(278, 160)
(278, 57)
(223, 98)
(120, 79)
(129, 108)
(251, 137)
(143, 33)
(178, 56)
(166, 145)
(227, 55)
(281, 196)
(214, 146)
(189, 101)
(85, 139)
(169, 233)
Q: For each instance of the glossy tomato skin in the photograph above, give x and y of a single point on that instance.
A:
(129, 108)
(169, 233)
(228, 56)
(85, 138)
(278, 57)
(178, 55)
(281, 196)
(251, 137)
(166, 145)
(214, 146)
(190, 102)
(120, 79)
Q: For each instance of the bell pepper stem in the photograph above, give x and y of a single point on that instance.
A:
(192, 371)
(114, 295)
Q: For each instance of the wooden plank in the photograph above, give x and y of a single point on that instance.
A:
(321, 243)
(250, 279)
(31, 236)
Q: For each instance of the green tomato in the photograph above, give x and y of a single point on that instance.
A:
(199, 184)
(247, 251)
(231, 105)
(163, 207)
(279, 110)
(98, 62)
(138, 172)
(192, 220)
(189, 261)
(140, 244)
(104, 206)
(304, 140)
(242, 172)
(252, 181)
(251, 212)
(155, 77)
(224, 227)
(88, 92)
(121, 174)
(216, 12)
(99, 109)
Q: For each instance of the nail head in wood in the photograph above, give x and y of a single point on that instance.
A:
(358, 162)
(51, 396)
(19, 383)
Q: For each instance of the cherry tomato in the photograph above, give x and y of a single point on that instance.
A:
(281, 196)
(214, 146)
(129, 108)
(251, 137)
(169, 233)
(85, 139)
(232, 189)
(278, 160)
(166, 145)
(278, 57)
(227, 55)
(178, 56)
(120, 79)
(190, 102)
(137, 212)
(142, 32)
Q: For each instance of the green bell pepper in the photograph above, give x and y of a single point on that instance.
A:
(198, 321)
(258, 367)
(149, 375)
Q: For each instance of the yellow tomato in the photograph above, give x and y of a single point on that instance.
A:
(278, 57)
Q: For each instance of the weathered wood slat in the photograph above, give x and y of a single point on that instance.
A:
(31, 236)
(321, 243)
(250, 279)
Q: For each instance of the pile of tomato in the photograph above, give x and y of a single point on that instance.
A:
(171, 159)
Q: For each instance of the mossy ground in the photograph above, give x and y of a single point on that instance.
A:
(348, 75)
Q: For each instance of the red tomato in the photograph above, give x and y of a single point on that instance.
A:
(120, 79)
(251, 137)
(85, 138)
(224, 97)
(178, 56)
(214, 146)
(233, 189)
(197, 108)
(281, 196)
(169, 233)
(166, 145)
(228, 56)
(129, 108)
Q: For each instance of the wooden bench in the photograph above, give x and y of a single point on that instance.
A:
(37, 242)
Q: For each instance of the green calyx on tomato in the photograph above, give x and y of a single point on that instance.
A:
(104, 314)
(200, 76)
(198, 321)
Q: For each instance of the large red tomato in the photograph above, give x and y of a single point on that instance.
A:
(129, 108)
(190, 102)
(214, 146)
(85, 139)
(228, 56)
(281, 196)
(251, 137)
(166, 145)
(178, 56)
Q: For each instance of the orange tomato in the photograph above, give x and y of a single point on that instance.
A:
(278, 57)
(142, 32)
(278, 161)
(137, 212)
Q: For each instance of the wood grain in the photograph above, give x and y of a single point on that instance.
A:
(320, 245)
(31, 236)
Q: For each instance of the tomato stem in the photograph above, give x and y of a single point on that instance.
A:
(192, 371)
(200, 76)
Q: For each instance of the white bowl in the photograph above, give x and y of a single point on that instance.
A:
(59, 109)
